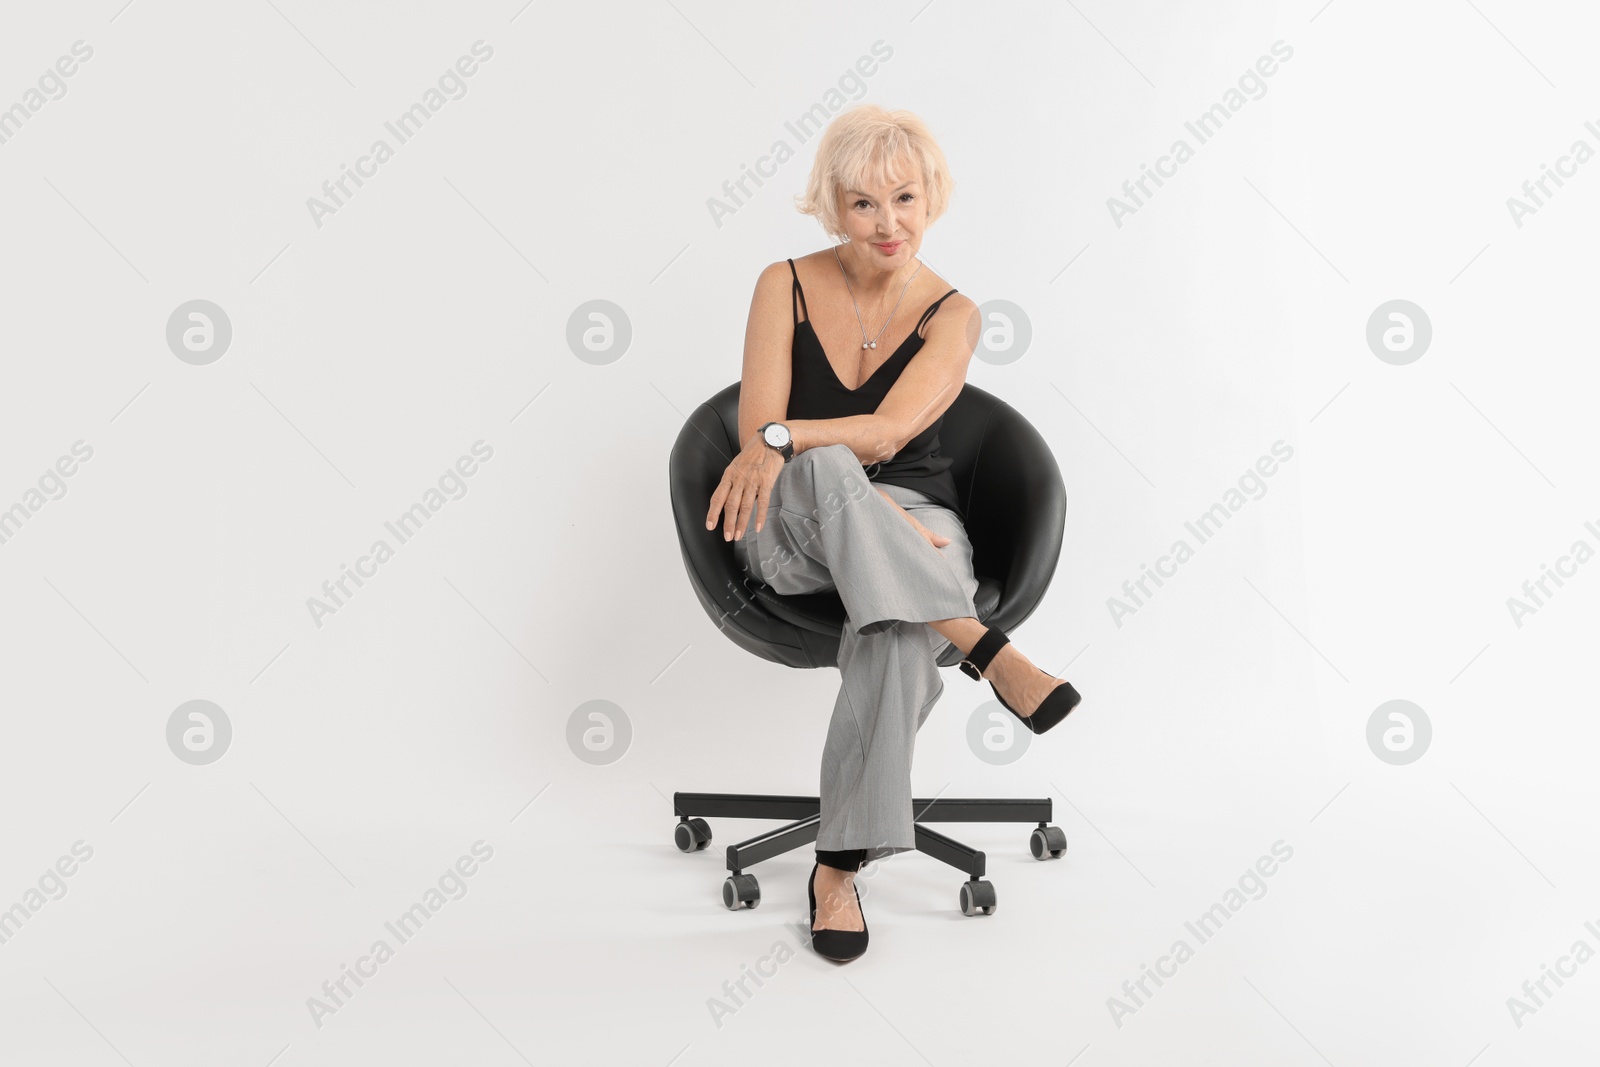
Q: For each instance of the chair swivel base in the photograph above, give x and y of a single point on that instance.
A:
(741, 890)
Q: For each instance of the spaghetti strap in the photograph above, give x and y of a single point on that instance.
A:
(796, 289)
(926, 315)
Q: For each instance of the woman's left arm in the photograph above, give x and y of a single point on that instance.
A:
(934, 377)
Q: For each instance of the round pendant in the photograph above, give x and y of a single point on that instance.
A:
(873, 345)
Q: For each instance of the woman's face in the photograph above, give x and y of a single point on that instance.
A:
(885, 222)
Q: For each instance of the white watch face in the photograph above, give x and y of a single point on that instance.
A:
(777, 435)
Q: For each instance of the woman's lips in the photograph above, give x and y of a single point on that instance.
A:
(891, 248)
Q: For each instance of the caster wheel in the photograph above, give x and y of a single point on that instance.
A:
(740, 891)
(692, 836)
(1047, 841)
(977, 895)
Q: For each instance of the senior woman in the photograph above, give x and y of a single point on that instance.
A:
(839, 485)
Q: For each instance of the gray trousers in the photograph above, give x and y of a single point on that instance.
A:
(827, 528)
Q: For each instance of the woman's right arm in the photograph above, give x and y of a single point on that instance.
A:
(765, 379)
(746, 485)
(768, 338)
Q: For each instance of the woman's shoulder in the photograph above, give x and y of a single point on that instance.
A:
(958, 301)
(774, 279)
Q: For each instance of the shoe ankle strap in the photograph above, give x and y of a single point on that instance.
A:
(976, 661)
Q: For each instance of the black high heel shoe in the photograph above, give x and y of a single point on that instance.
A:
(839, 945)
(1060, 700)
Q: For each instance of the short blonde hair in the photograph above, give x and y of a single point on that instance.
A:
(857, 147)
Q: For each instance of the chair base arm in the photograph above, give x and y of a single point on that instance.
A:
(805, 817)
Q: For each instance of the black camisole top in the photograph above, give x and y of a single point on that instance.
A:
(815, 392)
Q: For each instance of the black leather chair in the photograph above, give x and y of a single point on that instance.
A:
(1015, 505)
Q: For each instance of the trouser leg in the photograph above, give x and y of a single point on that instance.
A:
(889, 686)
(827, 528)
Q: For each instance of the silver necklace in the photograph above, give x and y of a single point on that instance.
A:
(874, 342)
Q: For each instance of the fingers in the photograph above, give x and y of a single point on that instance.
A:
(738, 503)
(742, 495)
(740, 514)
(747, 513)
(937, 540)
(761, 516)
(766, 496)
(730, 514)
(716, 502)
(753, 508)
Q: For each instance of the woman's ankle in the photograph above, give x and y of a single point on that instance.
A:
(841, 861)
(1008, 660)
(962, 633)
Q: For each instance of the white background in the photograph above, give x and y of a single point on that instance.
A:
(430, 312)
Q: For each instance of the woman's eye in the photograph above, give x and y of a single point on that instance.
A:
(903, 197)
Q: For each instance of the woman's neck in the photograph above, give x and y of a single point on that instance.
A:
(876, 285)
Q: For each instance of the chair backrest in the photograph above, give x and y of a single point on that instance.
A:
(1011, 493)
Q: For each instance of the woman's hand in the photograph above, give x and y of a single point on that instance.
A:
(934, 539)
(746, 486)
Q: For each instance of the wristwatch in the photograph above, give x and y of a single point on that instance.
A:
(776, 434)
